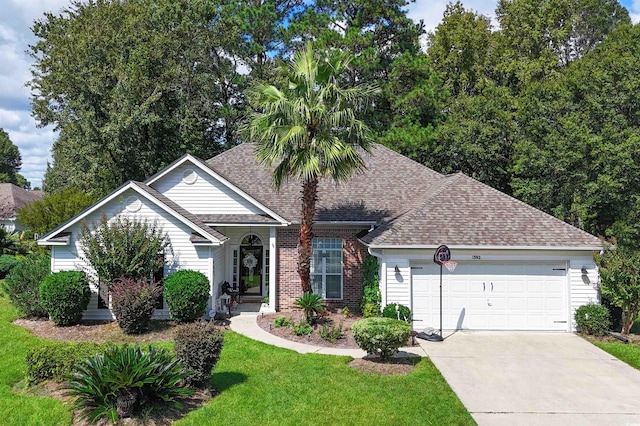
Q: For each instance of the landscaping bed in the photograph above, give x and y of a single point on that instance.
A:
(330, 319)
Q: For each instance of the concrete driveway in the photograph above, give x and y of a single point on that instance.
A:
(506, 378)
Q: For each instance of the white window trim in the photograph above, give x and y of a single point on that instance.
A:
(324, 274)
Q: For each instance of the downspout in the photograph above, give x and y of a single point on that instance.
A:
(382, 273)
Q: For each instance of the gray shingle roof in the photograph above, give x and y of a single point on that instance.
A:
(245, 219)
(383, 190)
(461, 211)
(13, 198)
(414, 205)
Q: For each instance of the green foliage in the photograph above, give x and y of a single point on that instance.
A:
(125, 378)
(198, 346)
(331, 333)
(620, 282)
(397, 311)
(381, 336)
(311, 304)
(281, 322)
(65, 295)
(7, 263)
(56, 360)
(22, 285)
(146, 86)
(308, 128)
(123, 247)
(10, 162)
(133, 303)
(592, 319)
(371, 298)
(303, 328)
(187, 294)
(53, 210)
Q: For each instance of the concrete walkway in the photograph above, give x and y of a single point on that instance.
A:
(246, 325)
(548, 379)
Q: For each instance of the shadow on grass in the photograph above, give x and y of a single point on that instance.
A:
(226, 380)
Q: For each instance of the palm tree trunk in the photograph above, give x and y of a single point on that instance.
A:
(309, 198)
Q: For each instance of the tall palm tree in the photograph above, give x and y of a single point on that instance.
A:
(308, 128)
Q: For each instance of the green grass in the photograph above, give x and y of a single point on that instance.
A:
(262, 385)
(627, 353)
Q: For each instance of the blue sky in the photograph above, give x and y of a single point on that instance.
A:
(15, 35)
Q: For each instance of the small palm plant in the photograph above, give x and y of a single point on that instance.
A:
(311, 304)
(114, 383)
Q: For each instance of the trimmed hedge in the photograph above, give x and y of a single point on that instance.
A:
(198, 346)
(7, 263)
(392, 310)
(65, 295)
(592, 319)
(22, 285)
(187, 294)
(381, 336)
(133, 304)
(56, 360)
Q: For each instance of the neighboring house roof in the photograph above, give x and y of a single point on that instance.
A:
(383, 190)
(58, 235)
(461, 211)
(13, 198)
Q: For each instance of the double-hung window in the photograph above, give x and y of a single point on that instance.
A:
(326, 267)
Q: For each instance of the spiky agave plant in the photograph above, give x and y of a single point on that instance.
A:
(112, 384)
(311, 304)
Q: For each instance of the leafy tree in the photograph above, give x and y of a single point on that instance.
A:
(620, 282)
(459, 49)
(11, 162)
(578, 152)
(122, 248)
(309, 130)
(53, 210)
(537, 37)
(129, 79)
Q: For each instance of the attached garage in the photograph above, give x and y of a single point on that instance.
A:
(492, 296)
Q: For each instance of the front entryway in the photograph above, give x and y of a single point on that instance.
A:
(251, 270)
(492, 296)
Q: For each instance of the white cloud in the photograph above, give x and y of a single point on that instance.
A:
(430, 11)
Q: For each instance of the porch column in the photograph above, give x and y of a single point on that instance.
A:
(272, 269)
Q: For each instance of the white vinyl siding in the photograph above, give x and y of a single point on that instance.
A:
(326, 267)
(181, 253)
(204, 196)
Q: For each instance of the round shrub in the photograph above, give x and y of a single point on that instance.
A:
(197, 347)
(381, 336)
(65, 295)
(392, 310)
(22, 285)
(187, 294)
(133, 303)
(592, 319)
(7, 263)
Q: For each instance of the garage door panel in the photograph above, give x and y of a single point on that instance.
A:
(492, 296)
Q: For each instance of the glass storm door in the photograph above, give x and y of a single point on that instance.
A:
(251, 270)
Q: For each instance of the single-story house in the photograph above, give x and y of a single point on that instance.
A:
(518, 267)
(12, 199)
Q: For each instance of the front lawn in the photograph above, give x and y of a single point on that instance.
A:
(624, 352)
(263, 385)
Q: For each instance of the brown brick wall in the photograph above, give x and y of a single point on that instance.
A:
(353, 254)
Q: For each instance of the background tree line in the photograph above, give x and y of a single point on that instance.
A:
(542, 105)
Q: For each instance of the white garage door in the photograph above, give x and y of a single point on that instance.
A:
(491, 296)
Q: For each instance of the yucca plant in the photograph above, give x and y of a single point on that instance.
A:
(311, 304)
(114, 383)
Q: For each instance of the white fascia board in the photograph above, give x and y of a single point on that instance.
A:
(253, 225)
(463, 247)
(201, 165)
(115, 194)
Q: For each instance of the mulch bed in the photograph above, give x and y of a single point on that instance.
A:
(329, 319)
(634, 339)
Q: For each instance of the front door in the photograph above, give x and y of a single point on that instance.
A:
(251, 270)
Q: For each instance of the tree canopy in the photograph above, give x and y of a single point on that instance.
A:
(11, 162)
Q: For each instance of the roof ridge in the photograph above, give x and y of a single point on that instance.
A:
(406, 159)
(528, 206)
(438, 187)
